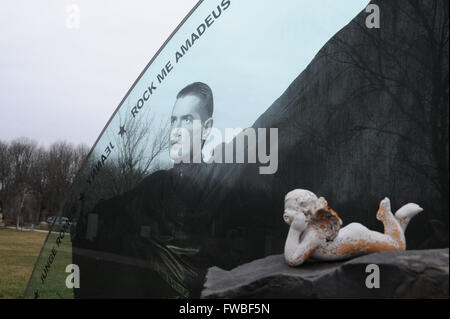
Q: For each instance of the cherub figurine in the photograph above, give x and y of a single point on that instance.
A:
(315, 230)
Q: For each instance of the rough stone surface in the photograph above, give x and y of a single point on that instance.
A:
(403, 274)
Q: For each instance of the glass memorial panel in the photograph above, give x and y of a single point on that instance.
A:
(244, 102)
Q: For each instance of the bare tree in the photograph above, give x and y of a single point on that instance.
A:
(403, 68)
(20, 157)
(4, 173)
(60, 165)
(33, 178)
(414, 81)
(138, 147)
(20, 205)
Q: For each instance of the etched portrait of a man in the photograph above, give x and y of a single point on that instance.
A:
(191, 122)
(160, 221)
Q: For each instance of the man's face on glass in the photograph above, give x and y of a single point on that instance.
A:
(188, 120)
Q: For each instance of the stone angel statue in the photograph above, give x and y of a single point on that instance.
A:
(315, 230)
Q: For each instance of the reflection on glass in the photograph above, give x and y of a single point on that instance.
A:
(192, 169)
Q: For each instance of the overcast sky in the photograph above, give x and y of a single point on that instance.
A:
(63, 82)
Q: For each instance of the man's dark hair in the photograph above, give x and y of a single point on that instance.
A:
(201, 90)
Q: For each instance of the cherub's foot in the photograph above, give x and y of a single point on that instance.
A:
(384, 212)
(405, 213)
(392, 226)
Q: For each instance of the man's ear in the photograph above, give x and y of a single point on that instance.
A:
(207, 125)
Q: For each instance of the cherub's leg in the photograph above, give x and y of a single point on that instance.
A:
(355, 240)
(392, 227)
(405, 213)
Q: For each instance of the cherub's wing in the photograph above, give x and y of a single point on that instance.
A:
(327, 221)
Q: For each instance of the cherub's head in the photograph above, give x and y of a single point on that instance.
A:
(303, 208)
(299, 207)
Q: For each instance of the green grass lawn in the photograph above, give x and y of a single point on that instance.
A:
(54, 286)
(19, 251)
(18, 254)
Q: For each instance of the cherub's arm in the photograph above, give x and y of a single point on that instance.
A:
(296, 249)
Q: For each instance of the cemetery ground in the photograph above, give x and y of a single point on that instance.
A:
(18, 254)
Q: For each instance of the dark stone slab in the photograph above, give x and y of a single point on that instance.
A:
(405, 274)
